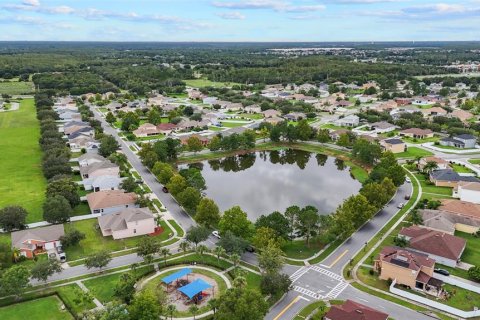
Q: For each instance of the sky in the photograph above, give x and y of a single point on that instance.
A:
(240, 20)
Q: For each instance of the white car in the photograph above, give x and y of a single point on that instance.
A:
(400, 206)
(407, 179)
(216, 234)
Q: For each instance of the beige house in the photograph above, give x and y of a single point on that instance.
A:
(110, 201)
(434, 111)
(127, 223)
(417, 133)
(407, 267)
(393, 145)
(467, 214)
(468, 191)
(145, 130)
(441, 164)
(34, 241)
(97, 169)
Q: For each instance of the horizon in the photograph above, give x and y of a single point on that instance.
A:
(234, 21)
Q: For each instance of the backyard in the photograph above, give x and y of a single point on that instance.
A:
(21, 178)
(413, 152)
(39, 309)
(472, 251)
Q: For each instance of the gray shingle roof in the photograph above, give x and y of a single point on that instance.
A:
(450, 175)
(118, 221)
(45, 234)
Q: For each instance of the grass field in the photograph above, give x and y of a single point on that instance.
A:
(198, 83)
(413, 152)
(472, 251)
(21, 177)
(16, 88)
(298, 249)
(430, 188)
(39, 309)
(232, 124)
(460, 168)
(474, 161)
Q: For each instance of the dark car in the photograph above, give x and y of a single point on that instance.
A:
(442, 272)
(407, 197)
(250, 249)
(164, 189)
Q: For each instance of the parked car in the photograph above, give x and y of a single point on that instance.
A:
(165, 190)
(250, 249)
(442, 272)
(407, 197)
(216, 234)
(400, 205)
(407, 179)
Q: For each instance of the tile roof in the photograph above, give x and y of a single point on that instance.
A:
(406, 258)
(110, 198)
(351, 310)
(473, 186)
(434, 242)
(97, 166)
(461, 208)
(417, 131)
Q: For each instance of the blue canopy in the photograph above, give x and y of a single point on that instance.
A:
(192, 289)
(176, 275)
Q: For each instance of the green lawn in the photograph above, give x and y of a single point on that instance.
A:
(198, 83)
(157, 136)
(413, 152)
(308, 310)
(215, 128)
(94, 240)
(16, 88)
(298, 249)
(331, 126)
(39, 309)
(472, 251)
(454, 148)
(232, 124)
(81, 209)
(419, 141)
(460, 168)
(21, 178)
(474, 161)
(431, 188)
(254, 116)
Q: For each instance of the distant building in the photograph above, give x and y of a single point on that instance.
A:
(449, 178)
(468, 191)
(462, 141)
(348, 121)
(393, 145)
(417, 133)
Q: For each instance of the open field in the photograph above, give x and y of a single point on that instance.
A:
(198, 83)
(298, 249)
(16, 88)
(21, 177)
(39, 309)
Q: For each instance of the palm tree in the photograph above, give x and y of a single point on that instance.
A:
(235, 259)
(430, 166)
(201, 249)
(165, 252)
(16, 253)
(171, 310)
(219, 251)
(184, 246)
(193, 310)
(240, 282)
(416, 218)
(213, 304)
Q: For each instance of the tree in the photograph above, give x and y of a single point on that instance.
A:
(41, 270)
(215, 143)
(213, 304)
(275, 283)
(474, 273)
(56, 209)
(232, 243)
(207, 213)
(66, 188)
(388, 167)
(108, 145)
(430, 166)
(176, 184)
(163, 171)
(110, 118)
(184, 246)
(323, 136)
(154, 117)
(130, 121)
(15, 280)
(193, 309)
(125, 287)
(147, 247)
(235, 220)
(415, 217)
(366, 152)
(235, 257)
(171, 308)
(291, 213)
(265, 237)
(240, 303)
(194, 178)
(271, 259)
(194, 144)
(197, 234)
(304, 131)
(98, 260)
(129, 184)
(111, 311)
(189, 198)
(165, 252)
(201, 249)
(400, 241)
(13, 218)
(307, 222)
(219, 251)
(277, 222)
(145, 306)
(358, 209)
(71, 238)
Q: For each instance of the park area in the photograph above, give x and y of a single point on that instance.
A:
(39, 309)
(21, 178)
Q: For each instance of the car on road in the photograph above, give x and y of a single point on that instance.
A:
(216, 234)
(442, 272)
(407, 197)
(250, 249)
(407, 179)
(165, 190)
(400, 205)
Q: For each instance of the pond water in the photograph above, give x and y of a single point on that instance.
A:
(267, 181)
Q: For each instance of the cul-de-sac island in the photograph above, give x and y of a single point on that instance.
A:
(237, 180)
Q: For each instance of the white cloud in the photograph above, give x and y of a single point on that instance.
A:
(34, 3)
(231, 15)
(276, 5)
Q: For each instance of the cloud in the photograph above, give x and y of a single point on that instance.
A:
(362, 1)
(275, 5)
(34, 3)
(231, 15)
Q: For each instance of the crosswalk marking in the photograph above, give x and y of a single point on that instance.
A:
(332, 294)
(306, 292)
(299, 273)
(327, 273)
(337, 290)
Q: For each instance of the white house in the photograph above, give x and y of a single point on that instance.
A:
(102, 183)
(468, 192)
(89, 159)
(348, 121)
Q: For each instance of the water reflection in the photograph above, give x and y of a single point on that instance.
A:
(268, 181)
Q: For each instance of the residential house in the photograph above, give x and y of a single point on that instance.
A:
(274, 120)
(459, 217)
(335, 135)
(449, 178)
(407, 267)
(348, 121)
(343, 103)
(417, 133)
(393, 145)
(467, 214)
(434, 111)
(295, 116)
(96, 169)
(382, 127)
(145, 130)
(441, 164)
(254, 108)
(127, 223)
(89, 159)
(463, 115)
(467, 191)
(34, 241)
(270, 113)
(462, 141)
(68, 115)
(444, 248)
(110, 201)
(86, 129)
(83, 142)
(166, 128)
(102, 183)
(351, 310)
(204, 140)
(403, 101)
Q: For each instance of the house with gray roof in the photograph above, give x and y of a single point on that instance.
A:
(462, 141)
(107, 182)
(90, 158)
(36, 241)
(449, 178)
(127, 223)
